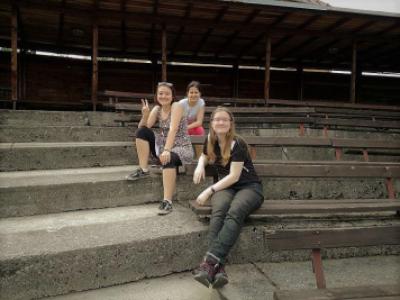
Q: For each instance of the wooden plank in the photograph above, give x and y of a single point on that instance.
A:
(263, 110)
(352, 143)
(95, 40)
(296, 207)
(353, 76)
(345, 171)
(164, 54)
(331, 238)
(384, 292)
(14, 57)
(267, 79)
(312, 169)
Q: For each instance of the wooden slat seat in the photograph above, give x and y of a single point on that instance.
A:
(317, 239)
(318, 169)
(375, 292)
(271, 208)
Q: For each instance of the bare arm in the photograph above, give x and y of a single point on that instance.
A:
(199, 119)
(176, 116)
(227, 181)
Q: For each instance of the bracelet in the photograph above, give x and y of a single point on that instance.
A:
(168, 150)
(213, 190)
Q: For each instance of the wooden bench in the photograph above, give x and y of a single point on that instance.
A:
(362, 146)
(377, 292)
(314, 169)
(318, 239)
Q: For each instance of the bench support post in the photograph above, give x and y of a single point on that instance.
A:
(317, 268)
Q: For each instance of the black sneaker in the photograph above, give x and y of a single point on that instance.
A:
(139, 173)
(165, 208)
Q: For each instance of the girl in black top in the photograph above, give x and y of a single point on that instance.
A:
(237, 193)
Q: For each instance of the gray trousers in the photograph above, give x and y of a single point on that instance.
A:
(230, 208)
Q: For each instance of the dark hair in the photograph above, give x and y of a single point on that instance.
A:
(195, 84)
(168, 85)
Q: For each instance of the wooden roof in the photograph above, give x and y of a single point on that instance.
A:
(311, 34)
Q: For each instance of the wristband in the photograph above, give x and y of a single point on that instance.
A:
(168, 150)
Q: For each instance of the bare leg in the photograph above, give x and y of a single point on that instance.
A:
(169, 183)
(143, 152)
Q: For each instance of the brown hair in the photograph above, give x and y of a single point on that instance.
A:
(168, 85)
(195, 84)
(212, 138)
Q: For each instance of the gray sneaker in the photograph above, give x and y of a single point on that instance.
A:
(139, 173)
(165, 208)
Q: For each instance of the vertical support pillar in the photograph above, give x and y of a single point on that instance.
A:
(235, 80)
(300, 82)
(353, 73)
(164, 54)
(14, 57)
(154, 72)
(95, 64)
(318, 269)
(267, 69)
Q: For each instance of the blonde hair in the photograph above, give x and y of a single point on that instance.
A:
(212, 138)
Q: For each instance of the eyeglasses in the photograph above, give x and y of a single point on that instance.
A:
(224, 120)
(169, 84)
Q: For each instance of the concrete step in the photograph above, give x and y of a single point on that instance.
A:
(50, 134)
(43, 156)
(28, 193)
(60, 155)
(256, 281)
(59, 118)
(51, 191)
(76, 251)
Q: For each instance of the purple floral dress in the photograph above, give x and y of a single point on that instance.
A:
(182, 144)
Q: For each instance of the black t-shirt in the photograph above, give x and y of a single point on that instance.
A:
(239, 153)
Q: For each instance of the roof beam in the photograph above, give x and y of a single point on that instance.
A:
(60, 35)
(123, 26)
(308, 41)
(195, 22)
(181, 29)
(203, 40)
(232, 37)
(153, 27)
(261, 36)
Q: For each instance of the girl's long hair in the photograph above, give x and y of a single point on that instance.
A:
(212, 138)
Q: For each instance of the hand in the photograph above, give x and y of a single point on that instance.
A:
(204, 196)
(165, 157)
(145, 108)
(199, 174)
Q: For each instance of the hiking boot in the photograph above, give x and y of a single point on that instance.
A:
(206, 272)
(220, 278)
(139, 173)
(165, 208)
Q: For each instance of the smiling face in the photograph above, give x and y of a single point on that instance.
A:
(221, 122)
(164, 95)
(193, 94)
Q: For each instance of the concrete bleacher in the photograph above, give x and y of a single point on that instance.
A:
(70, 222)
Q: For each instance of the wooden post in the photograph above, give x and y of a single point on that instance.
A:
(95, 64)
(353, 74)
(267, 68)
(164, 54)
(300, 82)
(235, 81)
(14, 58)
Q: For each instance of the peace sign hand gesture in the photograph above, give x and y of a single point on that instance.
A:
(145, 108)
